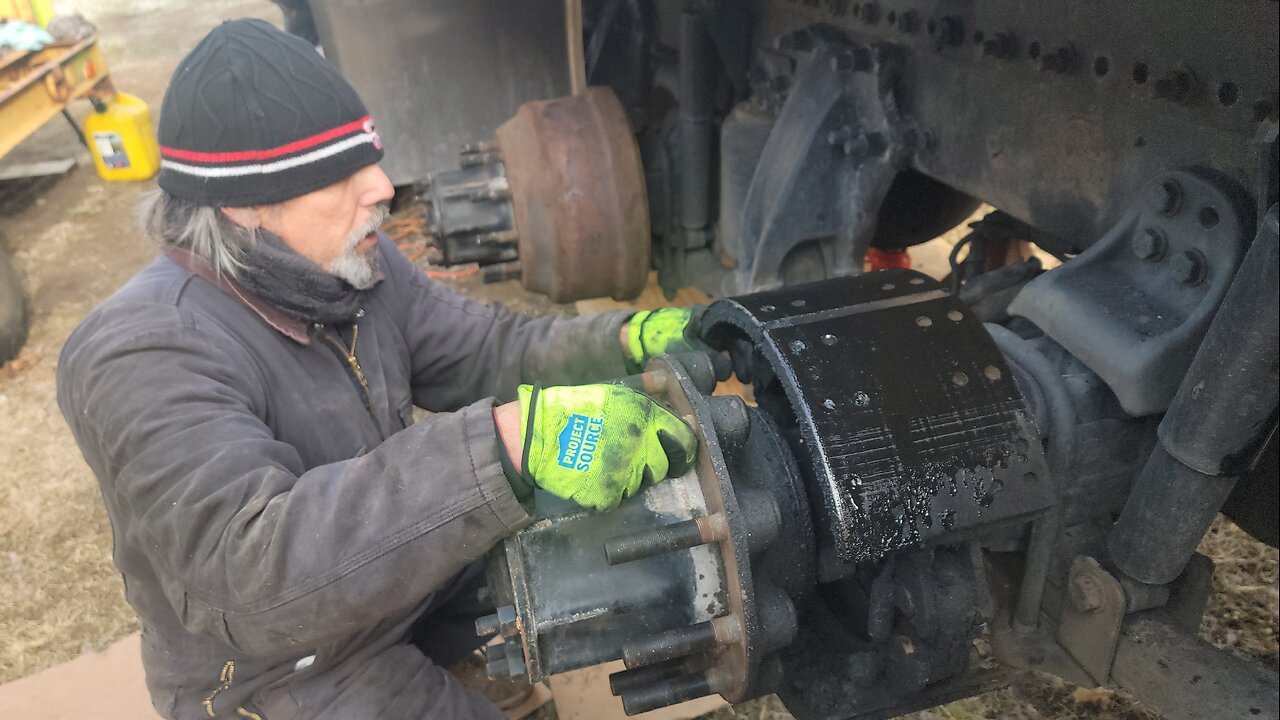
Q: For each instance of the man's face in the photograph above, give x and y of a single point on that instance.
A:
(333, 227)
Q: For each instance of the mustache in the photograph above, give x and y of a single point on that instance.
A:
(377, 216)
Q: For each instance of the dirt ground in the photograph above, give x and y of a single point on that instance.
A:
(74, 240)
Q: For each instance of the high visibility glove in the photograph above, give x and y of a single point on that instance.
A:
(669, 331)
(598, 444)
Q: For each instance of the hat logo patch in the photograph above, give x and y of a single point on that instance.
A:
(368, 128)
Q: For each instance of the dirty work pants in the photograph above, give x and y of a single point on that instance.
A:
(406, 681)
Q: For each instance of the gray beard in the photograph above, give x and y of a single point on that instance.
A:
(360, 271)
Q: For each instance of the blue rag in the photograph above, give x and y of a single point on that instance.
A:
(23, 36)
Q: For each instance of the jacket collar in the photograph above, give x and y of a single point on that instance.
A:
(291, 327)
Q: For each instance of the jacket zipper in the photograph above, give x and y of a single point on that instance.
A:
(353, 363)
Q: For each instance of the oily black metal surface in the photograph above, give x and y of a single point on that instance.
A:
(908, 424)
(892, 639)
(686, 581)
(576, 609)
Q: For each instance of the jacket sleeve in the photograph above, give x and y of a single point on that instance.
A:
(462, 350)
(250, 547)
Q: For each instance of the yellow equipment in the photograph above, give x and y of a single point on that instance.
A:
(36, 12)
(121, 139)
(35, 86)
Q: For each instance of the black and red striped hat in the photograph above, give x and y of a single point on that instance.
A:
(255, 116)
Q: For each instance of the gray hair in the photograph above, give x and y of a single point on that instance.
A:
(202, 229)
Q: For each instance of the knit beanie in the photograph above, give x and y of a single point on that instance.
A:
(255, 116)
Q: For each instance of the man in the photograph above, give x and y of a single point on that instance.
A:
(285, 531)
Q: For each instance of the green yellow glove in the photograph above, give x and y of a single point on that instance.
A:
(598, 444)
(669, 331)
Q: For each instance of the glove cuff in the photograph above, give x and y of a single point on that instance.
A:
(635, 338)
(528, 397)
(519, 486)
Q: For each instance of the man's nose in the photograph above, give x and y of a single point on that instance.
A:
(375, 186)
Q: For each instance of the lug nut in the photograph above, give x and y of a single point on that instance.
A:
(1190, 267)
(1149, 244)
(730, 418)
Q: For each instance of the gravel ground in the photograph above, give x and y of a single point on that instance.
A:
(74, 241)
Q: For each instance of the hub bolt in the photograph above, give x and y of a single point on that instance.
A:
(1149, 244)
(1190, 267)
(1166, 198)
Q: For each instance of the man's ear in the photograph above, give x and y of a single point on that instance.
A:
(246, 217)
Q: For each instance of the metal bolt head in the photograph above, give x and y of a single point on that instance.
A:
(1149, 244)
(1060, 60)
(1190, 267)
(730, 419)
(1001, 46)
(909, 22)
(1165, 197)
(1085, 594)
(857, 147)
(840, 135)
(950, 32)
(1175, 86)
(871, 13)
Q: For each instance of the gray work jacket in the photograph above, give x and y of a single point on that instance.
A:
(277, 515)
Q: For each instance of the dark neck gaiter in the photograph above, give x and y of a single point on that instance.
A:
(296, 285)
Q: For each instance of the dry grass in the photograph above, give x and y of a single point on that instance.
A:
(60, 593)
(1244, 608)
(74, 245)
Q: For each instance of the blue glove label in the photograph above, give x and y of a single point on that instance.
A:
(578, 442)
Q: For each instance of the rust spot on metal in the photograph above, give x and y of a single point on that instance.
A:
(578, 193)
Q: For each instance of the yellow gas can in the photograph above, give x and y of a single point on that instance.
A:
(121, 139)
